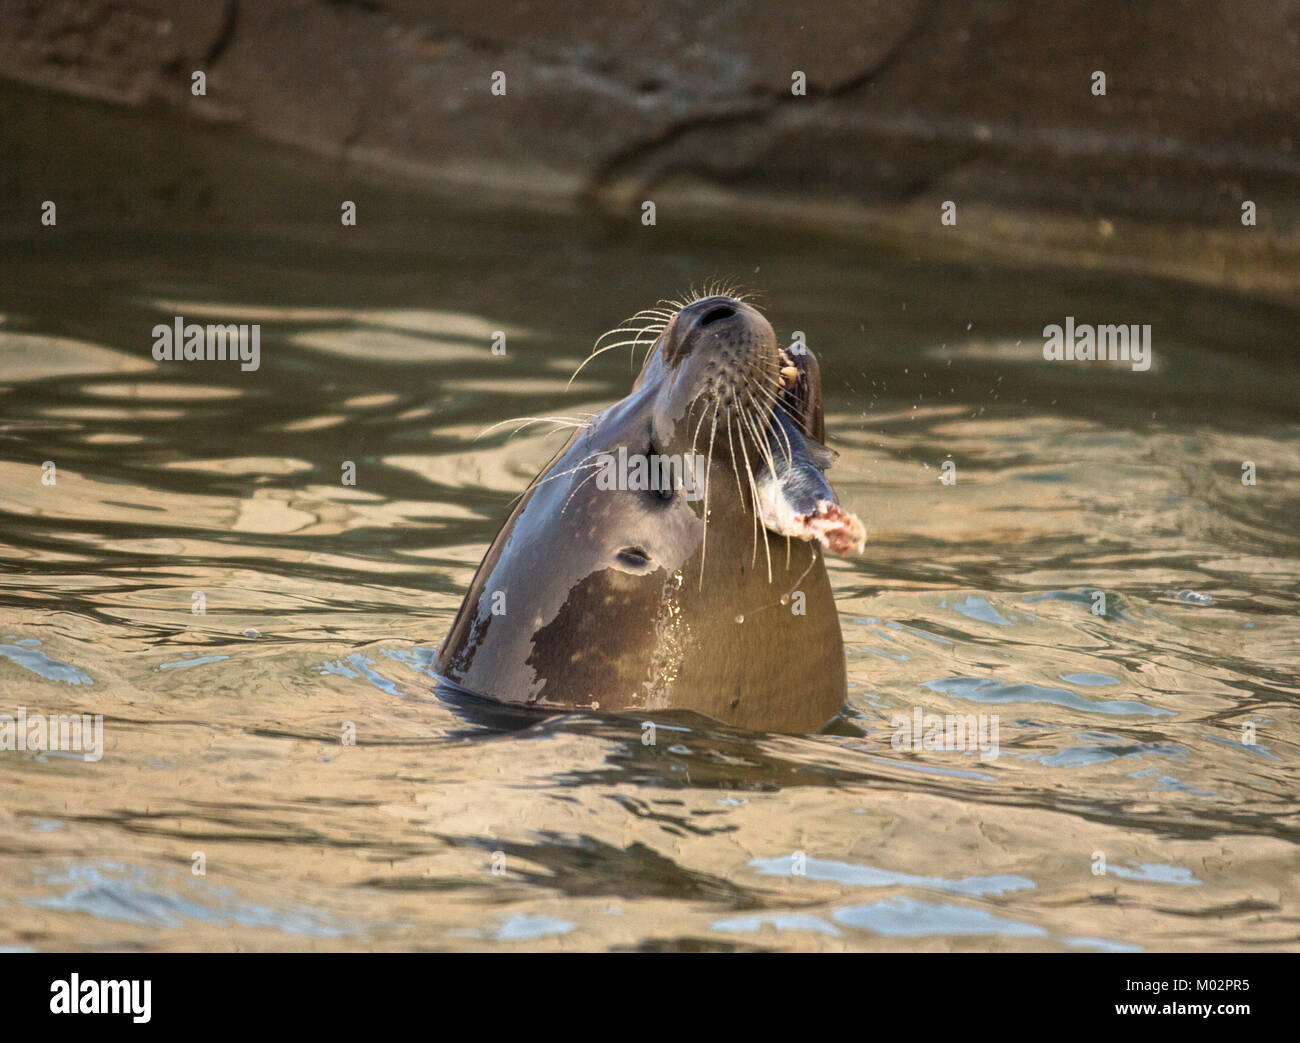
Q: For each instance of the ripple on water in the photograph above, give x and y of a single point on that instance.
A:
(978, 608)
(29, 658)
(909, 918)
(870, 876)
(1155, 873)
(131, 894)
(183, 478)
(778, 921)
(522, 927)
(989, 690)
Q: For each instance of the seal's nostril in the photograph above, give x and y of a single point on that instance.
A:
(722, 311)
(637, 557)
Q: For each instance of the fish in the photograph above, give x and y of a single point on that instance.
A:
(794, 497)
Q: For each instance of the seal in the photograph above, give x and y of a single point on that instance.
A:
(671, 555)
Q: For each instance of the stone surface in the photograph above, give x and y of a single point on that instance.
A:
(908, 103)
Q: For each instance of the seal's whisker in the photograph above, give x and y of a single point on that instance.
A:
(776, 404)
(640, 330)
(559, 474)
(708, 473)
(694, 438)
(746, 422)
(640, 336)
(585, 462)
(767, 550)
(761, 438)
(749, 470)
(632, 329)
(765, 444)
(655, 327)
(723, 287)
(578, 488)
(731, 446)
(649, 347)
(773, 391)
(515, 499)
(762, 441)
(651, 329)
(740, 489)
(619, 344)
(600, 351)
(558, 421)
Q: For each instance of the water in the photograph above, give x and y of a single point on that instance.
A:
(1121, 732)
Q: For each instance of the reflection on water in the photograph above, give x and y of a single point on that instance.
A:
(1098, 577)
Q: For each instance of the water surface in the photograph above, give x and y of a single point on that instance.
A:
(1123, 733)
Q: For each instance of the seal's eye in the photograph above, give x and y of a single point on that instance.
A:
(661, 487)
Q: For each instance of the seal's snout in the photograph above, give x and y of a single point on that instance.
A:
(723, 354)
(710, 318)
(720, 327)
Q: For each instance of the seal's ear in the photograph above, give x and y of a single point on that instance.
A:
(803, 398)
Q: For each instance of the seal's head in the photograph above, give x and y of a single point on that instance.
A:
(720, 355)
(654, 564)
